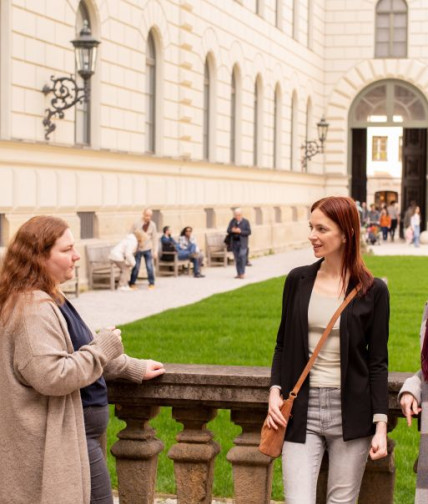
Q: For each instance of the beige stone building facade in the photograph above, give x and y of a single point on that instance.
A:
(199, 106)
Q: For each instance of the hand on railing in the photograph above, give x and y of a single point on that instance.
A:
(153, 369)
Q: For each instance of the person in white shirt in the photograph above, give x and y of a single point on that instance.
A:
(415, 224)
(123, 255)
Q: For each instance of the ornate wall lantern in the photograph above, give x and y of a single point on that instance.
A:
(312, 147)
(66, 91)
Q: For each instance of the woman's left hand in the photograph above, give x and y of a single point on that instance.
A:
(153, 369)
(379, 447)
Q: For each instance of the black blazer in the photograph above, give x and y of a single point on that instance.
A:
(242, 237)
(364, 326)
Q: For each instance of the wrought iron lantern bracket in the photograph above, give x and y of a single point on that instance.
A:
(312, 147)
(66, 94)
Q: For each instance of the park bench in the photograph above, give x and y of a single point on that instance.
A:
(216, 250)
(171, 267)
(72, 286)
(101, 271)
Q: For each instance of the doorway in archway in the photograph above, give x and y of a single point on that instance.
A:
(388, 139)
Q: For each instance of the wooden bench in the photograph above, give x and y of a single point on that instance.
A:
(72, 286)
(171, 267)
(101, 271)
(216, 250)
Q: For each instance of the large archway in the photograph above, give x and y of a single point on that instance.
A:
(399, 111)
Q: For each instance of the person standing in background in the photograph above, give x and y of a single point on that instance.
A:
(239, 229)
(385, 223)
(146, 250)
(393, 213)
(415, 224)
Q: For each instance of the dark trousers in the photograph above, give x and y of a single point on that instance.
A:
(96, 420)
(240, 256)
(393, 227)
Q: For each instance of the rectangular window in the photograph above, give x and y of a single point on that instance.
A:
(87, 225)
(259, 216)
(379, 148)
(157, 218)
(209, 218)
(278, 215)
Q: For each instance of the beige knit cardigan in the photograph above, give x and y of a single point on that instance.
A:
(43, 451)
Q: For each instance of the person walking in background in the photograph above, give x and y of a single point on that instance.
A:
(364, 213)
(146, 250)
(52, 375)
(385, 223)
(343, 403)
(394, 215)
(239, 229)
(415, 224)
(373, 215)
(123, 256)
(187, 248)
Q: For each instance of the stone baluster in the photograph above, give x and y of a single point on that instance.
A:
(136, 454)
(194, 455)
(378, 481)
(252, 471)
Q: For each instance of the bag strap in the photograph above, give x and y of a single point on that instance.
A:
(336, 315)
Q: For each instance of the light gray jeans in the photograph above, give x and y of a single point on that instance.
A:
(347, 459)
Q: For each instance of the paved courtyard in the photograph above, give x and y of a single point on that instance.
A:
(101, 308)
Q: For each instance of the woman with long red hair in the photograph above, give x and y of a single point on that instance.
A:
(343, 404)
(52, 375)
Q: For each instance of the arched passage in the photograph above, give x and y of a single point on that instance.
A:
(395, 110)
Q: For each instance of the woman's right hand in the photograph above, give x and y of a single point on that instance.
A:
(275, 417)
(409, 407)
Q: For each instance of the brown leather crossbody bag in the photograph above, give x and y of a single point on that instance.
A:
(271, 440)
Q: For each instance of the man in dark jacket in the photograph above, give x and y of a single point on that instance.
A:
(239, 229)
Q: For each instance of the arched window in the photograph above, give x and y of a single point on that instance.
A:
(235, 116)
(277, 127)
(295, 29)
(391, 29)
(82, 131)
(308, 125)
(278, 14)
(310, 38)
(294, 131)
(151, 94)
(258, 119)
(233, 91)
(206, 119)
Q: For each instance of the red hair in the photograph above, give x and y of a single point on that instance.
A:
(23, 269)
(343, 212)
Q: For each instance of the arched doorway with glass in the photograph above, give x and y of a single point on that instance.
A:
(388, 145)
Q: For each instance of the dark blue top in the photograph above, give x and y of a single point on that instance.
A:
(80, 334)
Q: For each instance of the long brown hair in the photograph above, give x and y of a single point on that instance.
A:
(343, 211)
(23, 268)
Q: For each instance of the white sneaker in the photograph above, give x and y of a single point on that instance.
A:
(125, 288)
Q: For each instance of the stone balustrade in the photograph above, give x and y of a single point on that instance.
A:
(195, 393)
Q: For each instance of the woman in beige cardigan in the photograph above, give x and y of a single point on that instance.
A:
(52, 370)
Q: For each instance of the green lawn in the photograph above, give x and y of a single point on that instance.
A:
(239, 328)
